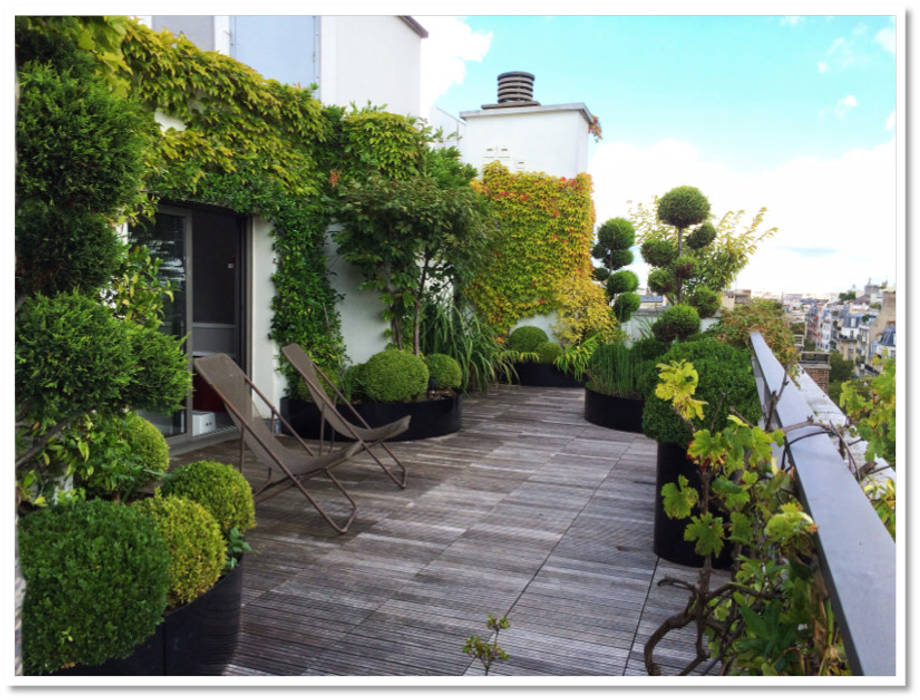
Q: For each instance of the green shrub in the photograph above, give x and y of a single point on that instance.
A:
(444, 371)
(612, 371)
(662, 281)
(726, 381)
(625, 305)
(96, 582)
(622, 281)
(72, 357)
(649, 348)
(616, 234)
(352, 384)
(193, 539)
(548, 351)
(705, 300)
(526, 338)
(676, 322)
(620, 258)
(126, 453)
(701, 236)
(683, 206)
(220, 488)
(659, 252)
(161, 379)
(394, 375)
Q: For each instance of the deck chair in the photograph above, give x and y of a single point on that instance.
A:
(236, 390)
(365, 437)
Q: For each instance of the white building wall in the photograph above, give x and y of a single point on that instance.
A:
(376, 58)
(264, 352)
(528, 139)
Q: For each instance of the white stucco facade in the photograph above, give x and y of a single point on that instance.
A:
(370, 58)
(552, 139)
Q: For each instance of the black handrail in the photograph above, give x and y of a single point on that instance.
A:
(857, 554)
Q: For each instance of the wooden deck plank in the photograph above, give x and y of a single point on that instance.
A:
(529, 511)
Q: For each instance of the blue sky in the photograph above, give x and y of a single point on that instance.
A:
(793, 113)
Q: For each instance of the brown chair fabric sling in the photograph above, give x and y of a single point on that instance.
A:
(364, 436)
(236, 391)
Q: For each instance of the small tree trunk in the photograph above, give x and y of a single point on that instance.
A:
(680, 250)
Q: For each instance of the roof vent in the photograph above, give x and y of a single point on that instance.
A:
(515, 89)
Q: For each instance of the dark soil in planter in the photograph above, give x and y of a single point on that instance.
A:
(669, 540)
(430, 418)
(541, 374)
(197, 639)
(615, 412)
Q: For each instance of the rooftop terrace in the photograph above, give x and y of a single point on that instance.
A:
(529, 511)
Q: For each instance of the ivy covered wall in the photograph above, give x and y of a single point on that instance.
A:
(266, 150)
(547, 226)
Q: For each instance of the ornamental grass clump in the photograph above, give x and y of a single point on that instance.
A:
(444, 372)
(96, 577)
(193, 539)
(394, 375)
(612, 370)
(219, 488)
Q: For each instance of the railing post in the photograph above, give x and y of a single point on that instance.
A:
(857, 554)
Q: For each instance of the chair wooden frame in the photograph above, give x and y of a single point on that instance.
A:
(234, 388)
(364, 435)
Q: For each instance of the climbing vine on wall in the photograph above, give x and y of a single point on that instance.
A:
(269, 150)
(547, 226)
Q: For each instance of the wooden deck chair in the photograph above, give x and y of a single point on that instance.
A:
(236, 391)
(364, 436)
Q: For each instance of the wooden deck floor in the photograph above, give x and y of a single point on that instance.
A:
(529, 512)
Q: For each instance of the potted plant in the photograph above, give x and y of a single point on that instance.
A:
(614, 396)
(726, 383)
(537, 355)
(392, 384)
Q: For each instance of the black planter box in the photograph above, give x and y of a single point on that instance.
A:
(428, 418)
(542, 374)
(197, 639)
(615, 412)
(669, 540)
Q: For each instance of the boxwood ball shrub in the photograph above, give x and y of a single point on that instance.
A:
(548, 351)
(726, 381)
(394, 375)
(526, 338)
(220, 488)
(97, 576)
(444, 371)
(676, 322)
(195, 544)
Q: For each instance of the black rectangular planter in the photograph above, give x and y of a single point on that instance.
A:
(428, 418)
(617, 412)
(542, 374)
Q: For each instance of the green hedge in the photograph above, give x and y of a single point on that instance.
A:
(394, 375)
(526, 338)
(444, 371)
(220, 488)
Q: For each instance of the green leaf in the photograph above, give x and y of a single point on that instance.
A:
(707, 531)
(679, 499)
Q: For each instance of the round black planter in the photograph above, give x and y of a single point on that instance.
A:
(542, 374)
(615, 412)
(197, 639)
(428, 418)
(669, 540)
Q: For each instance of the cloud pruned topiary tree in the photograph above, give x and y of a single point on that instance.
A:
(615, 237)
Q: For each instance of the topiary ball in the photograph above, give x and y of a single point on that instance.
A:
(600, 273)
(622, 281)
(705, 300)
(676, 322)
(702, 236)
(526, 338)
(620, 258)
(444, 371)
(196, 547)
(625, 305)
(97, 575)
(658, 252)
(161, 379)
(147, 443)
(220, 488)
(682, 207)
(684, 267)
(662, 281)
(616, 234)
(394, 375)
(548, 351)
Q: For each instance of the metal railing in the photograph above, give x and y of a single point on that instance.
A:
(857, 554)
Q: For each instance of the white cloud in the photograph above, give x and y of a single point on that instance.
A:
(886, 38)
(842, 108)
(890, 122)
(450, 44)
(792, 20)
(822, 67)
(826, 209)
